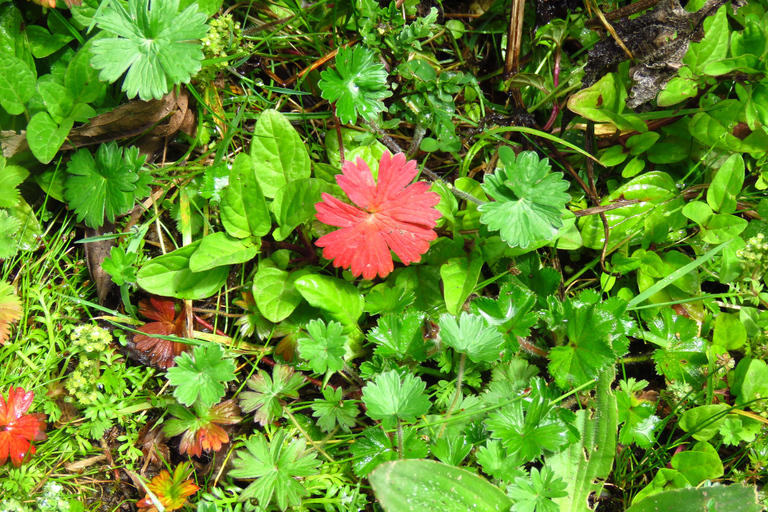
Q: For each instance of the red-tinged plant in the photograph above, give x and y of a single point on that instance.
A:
(171, 492)
(160, 351)
(10, 310)
(393, 214)
(17, 429)
(201, 428)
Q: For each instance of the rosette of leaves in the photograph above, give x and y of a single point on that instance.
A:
(157, 46)
(105, 186)
(201, 378)
(357, 85)
(529, 200)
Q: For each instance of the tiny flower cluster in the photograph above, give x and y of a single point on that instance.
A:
(754, 256)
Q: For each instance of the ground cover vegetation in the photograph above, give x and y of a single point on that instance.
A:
(356, 255)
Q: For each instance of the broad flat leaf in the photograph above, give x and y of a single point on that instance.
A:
(278, 153)
(11, 176)
(713, 46)
(244, 211)
(424, 282)
(729, 332)
(376, 447)
(340, 299)
(700, 463)
(357, 85)
(275, 293)
(17, 84)
(638, 418)
(200, 378)
(219, 249)
(431, 486)
(704, 421)
(459, 279)
(58, 100)
(169, 275)
(276, 467)
(472, 336)
(294, 204)
(750, 382)
(529, 200)
(683, 352)
(733, 498)
(45, 136)
(43, 43)
(100, 188)
(81, 79)
(389, 398)
(726, 185)
(400, 336)
(155, 44)
(390, 214)
(585, 464)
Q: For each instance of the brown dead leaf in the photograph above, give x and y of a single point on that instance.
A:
(658, 40)
(95, 254)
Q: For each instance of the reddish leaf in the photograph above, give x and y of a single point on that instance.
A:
(392, 215)
(161, 351)
(17, 429)
(202, 431)
(172, 492)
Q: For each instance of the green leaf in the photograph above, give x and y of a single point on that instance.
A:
(324, 348)
(451, 449)
(276, 467)
(81, 79)
(45, 136)
(11, 176)
(726, 186)
(17, 84)
(703, 421)
(430, 486)
(530, 200)
(278, 153)
(120, 266)
(154, 44)
(275, 292)
(389, 398)
(201, 378)
(268, 393)
(731, 498)
(637, 415)
(220, 249)
(750, 382)
(699, 463)
(244, 211)
(43, 43)
(590, 329)
(400, 336)
(713, 46)
(586, 464)
(169, 276)
(57, 99)
(729, 332)
(676, 91)
(102, 187)
(340, 299)
(471, 336)
(332, 411)
(376, 447)
(294, 204)
(9, 231)
(459, 279)
(536, 492)
(511, 312)
(357, 85)
(527, 435)
(683, 352)
(382, 300)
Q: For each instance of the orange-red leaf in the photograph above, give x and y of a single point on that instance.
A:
(172, 492)
(10, 310)
(167, 323)
(391, 214)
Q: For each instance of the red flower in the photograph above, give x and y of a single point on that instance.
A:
(17, 429)
(392, 215)
(161, 351)
(172, 492)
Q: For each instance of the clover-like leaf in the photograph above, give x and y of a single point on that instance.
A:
(154, 43)
(276, 466)
(325, 347)
(389, 398)
(471, 336)
(357, 85)
(201, 377)
(104, 186)
(529, 200)
(268, 393)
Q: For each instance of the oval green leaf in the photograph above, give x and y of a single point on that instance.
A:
(169, 275)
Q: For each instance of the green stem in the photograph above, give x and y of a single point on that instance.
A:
(636, 359)
(459, 381)
(317, 447)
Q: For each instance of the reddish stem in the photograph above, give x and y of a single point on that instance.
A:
(555, 83)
